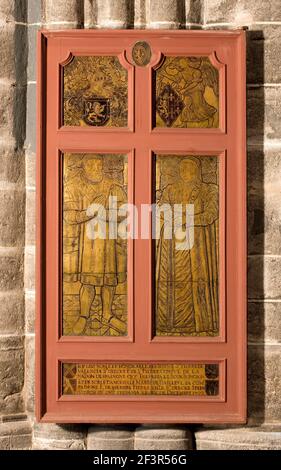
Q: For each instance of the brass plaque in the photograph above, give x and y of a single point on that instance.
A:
(186, 267)
(187, 93)
(95, 92)
(140, 379)
(141, 53)
(94, 264)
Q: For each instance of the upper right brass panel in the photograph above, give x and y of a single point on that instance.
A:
(187, 93)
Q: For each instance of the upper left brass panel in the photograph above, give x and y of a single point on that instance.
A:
(95, 92)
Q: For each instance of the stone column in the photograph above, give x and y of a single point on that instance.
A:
(15, 432)
(264, 239)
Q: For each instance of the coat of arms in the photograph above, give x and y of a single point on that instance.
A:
(96, 111)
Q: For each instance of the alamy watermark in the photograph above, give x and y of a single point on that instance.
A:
(124, 221)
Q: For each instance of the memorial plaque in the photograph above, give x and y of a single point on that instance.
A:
(141, 259)
(141, 379)
(187, 93)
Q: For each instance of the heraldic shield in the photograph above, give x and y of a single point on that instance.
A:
(96, 111)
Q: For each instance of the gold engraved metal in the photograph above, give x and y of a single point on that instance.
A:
(95, 92)
(140, 379)
(94, 268)
(186, 279)
(141, 53)
(187, 93)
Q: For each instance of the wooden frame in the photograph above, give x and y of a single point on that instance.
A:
(226, 50)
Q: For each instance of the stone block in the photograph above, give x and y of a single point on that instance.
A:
(116, 15)
(264, 321)
(12, 210)
(263, 113)
(58, 437)
(12, 112)
(194, 10)
(263, 54)
(15, 435)
(11, 312)
(7, 58)
(139, 14)
(166, 14)
(11, 269)
(29, 386)
(110, 438)
(239, 11)
(264, 214)
(264, 277)
(31, 120)
(11, 374)
(264, 385)
(11, 162)
(30, 169)
(29, 312)
(34, 11)
(62, 14)
(13, 10)
(32, 52)
(240, 438)
(30, 229)
(162, 437)
(29, 268)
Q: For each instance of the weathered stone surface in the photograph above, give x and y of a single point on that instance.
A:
(29, 267)
(118, 14)
(239, 11)
(11, 162)
(30, 217)
(162, 437)
(13, 51)
(55, 437)
(90, 14)
(263, 113)
(264, 321)
(11, 268)
(164, 14)
(12, 112)
(13, 10)
(11, 312)
(264, 385)
(12, 211)
(59, 432)
(62, 14)
(30, 141)
(29, 312)
(30, 169)
(15, 435)
(264, 212)
(32, 52)
(29, 386)
(194, 11)
(110, 438)
(34, 11)
(240, 438)
(264, 277)
(11, 374)
(263, 54)
(139, 14)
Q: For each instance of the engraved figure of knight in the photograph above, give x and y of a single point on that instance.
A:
(97, 262)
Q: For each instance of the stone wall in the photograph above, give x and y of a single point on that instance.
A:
(19, 21)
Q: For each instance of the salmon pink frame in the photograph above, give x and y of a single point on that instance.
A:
(140, 141)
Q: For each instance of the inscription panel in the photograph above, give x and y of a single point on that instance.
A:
(140, 379)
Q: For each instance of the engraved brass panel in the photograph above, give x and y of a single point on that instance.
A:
(140, 379)
(187, 93)
(186, 277)
(94, 268)
(95, 92)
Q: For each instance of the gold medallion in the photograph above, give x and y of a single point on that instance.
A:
(141, 53)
